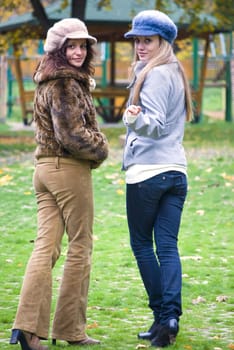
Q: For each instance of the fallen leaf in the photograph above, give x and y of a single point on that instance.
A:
(120, 192)
(93, 325)
(198, 300)
(221, 298)
(231, 346)
(191, 257)
(227, 177)
(5, 180)
(185, 275)
(121, 182)
(112, 176)
(200, 212)
(141, 346)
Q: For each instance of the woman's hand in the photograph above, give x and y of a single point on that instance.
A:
(131, 114)
(133, 110)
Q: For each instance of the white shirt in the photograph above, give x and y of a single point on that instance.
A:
(140, 172)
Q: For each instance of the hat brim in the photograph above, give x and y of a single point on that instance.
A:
(81, 35)
(140, 32)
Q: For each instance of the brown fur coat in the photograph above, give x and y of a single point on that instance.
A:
(65, 118)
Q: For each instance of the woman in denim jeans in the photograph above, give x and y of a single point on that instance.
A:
(155, 165)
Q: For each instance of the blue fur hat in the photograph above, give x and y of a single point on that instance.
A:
(153, 22)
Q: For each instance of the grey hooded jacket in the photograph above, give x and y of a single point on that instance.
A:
(156, 136)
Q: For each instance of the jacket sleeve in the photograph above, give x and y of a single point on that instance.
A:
(74, 122)
(154, 97)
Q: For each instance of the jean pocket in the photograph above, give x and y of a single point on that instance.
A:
(181, 185)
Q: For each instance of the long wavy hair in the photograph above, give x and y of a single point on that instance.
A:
(165, 55)
(58, 60)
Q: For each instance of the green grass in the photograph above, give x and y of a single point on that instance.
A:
(117, 308)
(214, 99)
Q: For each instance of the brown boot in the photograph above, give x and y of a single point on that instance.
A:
(34, 342)
(27, 340)
(86, 341)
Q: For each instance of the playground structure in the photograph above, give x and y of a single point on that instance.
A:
(3, 87)
(109, 27)
(218, 55)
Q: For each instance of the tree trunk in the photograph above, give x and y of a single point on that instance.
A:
(78, 9)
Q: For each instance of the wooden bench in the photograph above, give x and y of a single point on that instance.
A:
(26, 98)
(111, 102)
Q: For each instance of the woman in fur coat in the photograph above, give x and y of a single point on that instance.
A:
(69, 146)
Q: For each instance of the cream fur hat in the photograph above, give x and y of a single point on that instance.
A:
(68, 28)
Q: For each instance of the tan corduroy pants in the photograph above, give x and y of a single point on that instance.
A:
(65, 203)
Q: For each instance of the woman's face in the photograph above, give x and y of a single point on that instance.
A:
(147, 47)
(76, 52)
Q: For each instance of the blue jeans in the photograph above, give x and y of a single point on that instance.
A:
(154, 209)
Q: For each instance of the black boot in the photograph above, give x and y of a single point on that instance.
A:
(151, 333)
(166, 335)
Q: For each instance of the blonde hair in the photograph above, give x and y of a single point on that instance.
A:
(166, 55)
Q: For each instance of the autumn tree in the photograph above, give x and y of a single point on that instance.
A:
(200, 15)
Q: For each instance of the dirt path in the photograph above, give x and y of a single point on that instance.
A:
(115, 155)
